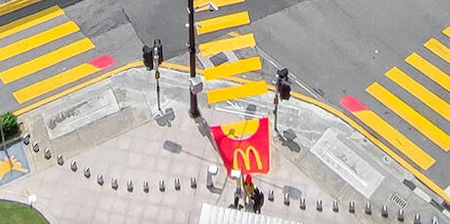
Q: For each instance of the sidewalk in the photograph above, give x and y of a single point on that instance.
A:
(109, 128)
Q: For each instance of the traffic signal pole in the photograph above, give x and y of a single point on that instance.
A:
(193, 110)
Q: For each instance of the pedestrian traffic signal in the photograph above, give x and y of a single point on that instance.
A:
(148, 57)
(283, 74)
(284, 88)
(157, 46)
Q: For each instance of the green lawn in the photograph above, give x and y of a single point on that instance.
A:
(17, 214)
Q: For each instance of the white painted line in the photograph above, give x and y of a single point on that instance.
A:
(446, 213)
(447, 190)
(422, 194)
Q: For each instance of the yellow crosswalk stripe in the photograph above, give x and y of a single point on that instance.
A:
(218, 3)
(236, 92)
(233, 68)
(420, 92)
(395, 138)
(46, 60)
(29, 21)
(446, 31)
(229, 44)
(14, 5)
(428, 69)
(411, 116)
(438, 49)
(54, 82)
(37, 40)
(222, 22)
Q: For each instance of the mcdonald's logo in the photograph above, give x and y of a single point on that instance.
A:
(246, 157)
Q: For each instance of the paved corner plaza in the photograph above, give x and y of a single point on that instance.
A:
(225, 111)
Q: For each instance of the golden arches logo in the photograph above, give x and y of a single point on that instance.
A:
(246, 156)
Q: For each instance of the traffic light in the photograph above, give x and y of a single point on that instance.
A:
(157, 46)
(283, 74)
(284, 88)
(148, 57)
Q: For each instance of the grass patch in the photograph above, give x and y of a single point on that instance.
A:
(14, 213)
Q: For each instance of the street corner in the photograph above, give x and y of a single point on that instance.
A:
(13, 162)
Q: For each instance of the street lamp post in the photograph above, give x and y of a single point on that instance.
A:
(193, 111)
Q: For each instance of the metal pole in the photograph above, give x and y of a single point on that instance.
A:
(157, 93)
(1, 133)
(276, 101)
(193, 111)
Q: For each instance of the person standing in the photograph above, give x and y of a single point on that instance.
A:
(258, 199)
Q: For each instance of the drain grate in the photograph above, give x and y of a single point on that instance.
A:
(399, 201)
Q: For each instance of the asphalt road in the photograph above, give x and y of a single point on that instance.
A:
(341, 47)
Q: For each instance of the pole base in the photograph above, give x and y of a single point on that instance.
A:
(194, 113)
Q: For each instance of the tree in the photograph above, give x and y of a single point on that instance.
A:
(9, 124)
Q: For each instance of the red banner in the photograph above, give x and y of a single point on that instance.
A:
(244, 145)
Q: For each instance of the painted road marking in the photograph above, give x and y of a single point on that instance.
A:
(38, 40)
(420, 92)
(408, 114)
(241, 128)
(233, 68)
(438, 48)
(62, 79)
(394, 137)
(218, 3)
(235, 92)
(428, 69)
(29, 21)
(229, 44)
(46, 60)
(14, 5)
(223, 22)
(446, 31)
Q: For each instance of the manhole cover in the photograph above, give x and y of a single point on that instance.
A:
(386, 159)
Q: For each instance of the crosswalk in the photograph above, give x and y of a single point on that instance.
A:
(229, 44)
(401, 105)
(35, 33)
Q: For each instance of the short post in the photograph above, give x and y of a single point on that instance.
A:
(26, 139)
(100, 180)
(271, 197)
(130, 186)
(286, 199)
(351, 207)
(47, 153)
(212, 171)
(114, 184)
(368, 209)
(302, 204)
(434, 220)
(87, 172)
(401, 215)
(335, 206)
(319, 206)
(73, 165)
(417, 218)
(146, 186)
(384, 211)
(193, 183)
(162, 188)
(36, 147)
(177, 184)
(236, 175)
(60, 159)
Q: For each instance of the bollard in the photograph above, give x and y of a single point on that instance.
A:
(130, 186)
(47, 153)
(193, 183)
(73, 165)
(302, 204)
(319, 206)
(351, 207)
(368, 209)
(146, 186)
(26, 139)
(237, 175)
(384, 211)
(162, 188)
(271, 197)
(114, 183)
(87, 172)
(335, 206)
(60, 159)
(401, 215)
(177, 184)
(212, 171)
(417, 218)
(434, 220)
(36, 147)
(100, 180)
(286, 199)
